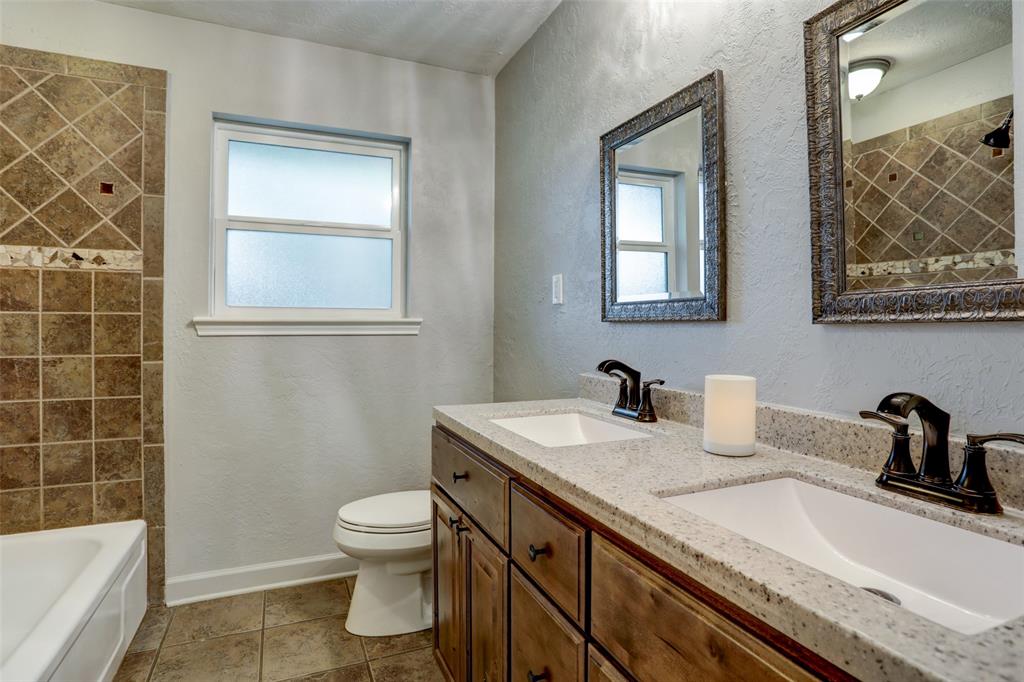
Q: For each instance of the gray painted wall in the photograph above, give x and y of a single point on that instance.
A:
(267, 437)
(594, 64)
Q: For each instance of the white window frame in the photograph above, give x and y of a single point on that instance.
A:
(226, 320)
(667, 245)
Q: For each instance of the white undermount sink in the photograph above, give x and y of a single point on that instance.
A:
(959, 579)
(573, 428)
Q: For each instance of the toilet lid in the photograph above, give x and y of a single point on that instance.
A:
(405, 510)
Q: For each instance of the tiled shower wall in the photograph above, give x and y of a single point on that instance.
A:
(81, 295)
(925, 194)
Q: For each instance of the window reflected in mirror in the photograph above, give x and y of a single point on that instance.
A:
(927, 146)
(659, 213)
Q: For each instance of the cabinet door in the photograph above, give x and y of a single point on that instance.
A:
(486, 590)
(449, 580)
(545, 646)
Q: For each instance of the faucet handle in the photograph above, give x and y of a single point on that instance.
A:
(981, 440)
(646, 412)
(647, 384)
(899, 424)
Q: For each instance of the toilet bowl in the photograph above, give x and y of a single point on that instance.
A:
(390, 536)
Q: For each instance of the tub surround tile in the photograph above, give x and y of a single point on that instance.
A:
(67, 291)
(67, 420)
(118, 501)
(20, 510)
(620, 485)
(118, 418)
(66, 334)
(19, 378)
(153, 480)
(67, 463)
(223, 659)
(415, 666)
(152, 403)
(118, 376)
(19, 423)
(19, 334)
(30, 183)
(19, 467)
(67, 377)
(152, 320)
(65, 506)
(306, 602)
(119, 460)
(308, 647)
(215, 618)
(118, 292)
(19, 290)
(156, 563)
(117, 334)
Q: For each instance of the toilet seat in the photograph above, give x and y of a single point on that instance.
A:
(389, 514)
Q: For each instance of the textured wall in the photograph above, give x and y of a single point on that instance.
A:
(594, 64)
(267, 437)
(81, 295)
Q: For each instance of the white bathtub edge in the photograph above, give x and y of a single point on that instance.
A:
(194, 587)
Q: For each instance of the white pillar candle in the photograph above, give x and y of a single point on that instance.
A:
(729, 414)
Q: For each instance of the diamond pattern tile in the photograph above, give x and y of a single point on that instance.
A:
(870, 163)
(129, 220)
(69, 95)
(11, 84)
(29, 233)
(30, 183)
(941, 166)
(105, 236)
(916, 194)
(122, 190)
(943, 210)
(130, 102)
(10, 148)
(107, 128)
(915, 152)
(68, 216)
(10, 212)
(996, 202)
(129, 161)
(31, 119)
(970, 229)
(969, 182)
(69, 154)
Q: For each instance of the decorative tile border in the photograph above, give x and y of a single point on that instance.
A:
(69, 258)
(855, 443)
(964, 261)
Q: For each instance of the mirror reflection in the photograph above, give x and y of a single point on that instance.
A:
(659, 213)
(927, 106)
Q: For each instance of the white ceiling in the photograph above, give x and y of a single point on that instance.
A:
(478, 36)
(922, 37)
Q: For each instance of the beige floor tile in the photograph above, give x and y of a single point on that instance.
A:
(135, 667)
(151, 631)
(308, 647)
(235, 658)
(415, 666)
(306, 602)
(215, 618)
(379, 647)
(352, 673)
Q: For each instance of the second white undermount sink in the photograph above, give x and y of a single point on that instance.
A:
(959, 579)
(572, 428)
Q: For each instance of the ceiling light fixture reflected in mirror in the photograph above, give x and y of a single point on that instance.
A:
(865, 76)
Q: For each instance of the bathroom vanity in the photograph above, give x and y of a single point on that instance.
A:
(573, 562)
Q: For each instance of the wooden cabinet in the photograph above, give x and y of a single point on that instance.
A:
(545, 646)
(527, 587)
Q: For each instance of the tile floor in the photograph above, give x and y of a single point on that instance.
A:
(294, 633)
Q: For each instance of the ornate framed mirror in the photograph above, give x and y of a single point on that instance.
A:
(912, 181)
(663, 210)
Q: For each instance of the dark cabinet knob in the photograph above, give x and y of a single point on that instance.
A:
(458, 477)
(536, 677)
(534, 552)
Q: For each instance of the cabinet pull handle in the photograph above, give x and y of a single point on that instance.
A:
(535, 677)
(456, 477)
(534, 552)
(452, 520)
(459, 530)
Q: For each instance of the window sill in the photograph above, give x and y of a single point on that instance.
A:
(222, 326)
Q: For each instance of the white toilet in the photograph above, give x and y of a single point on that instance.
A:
(390, 536)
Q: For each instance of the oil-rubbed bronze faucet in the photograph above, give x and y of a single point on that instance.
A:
(634, 395)
(971, 491)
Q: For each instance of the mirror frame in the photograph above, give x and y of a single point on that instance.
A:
(705, 94)
(996, 300)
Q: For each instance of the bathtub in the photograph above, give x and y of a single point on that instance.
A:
(70, 601)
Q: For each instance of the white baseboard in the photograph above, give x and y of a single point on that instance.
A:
(193, 587)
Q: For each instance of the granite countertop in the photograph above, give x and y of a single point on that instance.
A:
(621, 485)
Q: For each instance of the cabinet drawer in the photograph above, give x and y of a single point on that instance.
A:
(551, 549)
(659, 632)
(600, 669)
(543, 641)
(479, 488)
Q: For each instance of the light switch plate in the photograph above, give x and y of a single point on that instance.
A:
(556, 289)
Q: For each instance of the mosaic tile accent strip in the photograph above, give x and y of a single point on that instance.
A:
(81, 219)
(852, 442)
(985, 259)
(930, 190)
(70, 259)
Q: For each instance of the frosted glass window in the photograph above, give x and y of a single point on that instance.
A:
(293, 270)
(638, 213)
(308, 185)
(641, 274)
